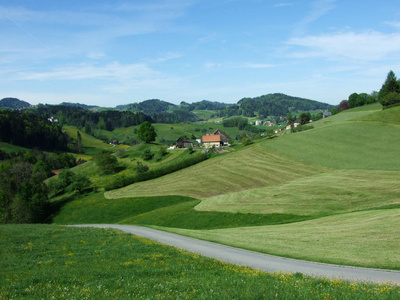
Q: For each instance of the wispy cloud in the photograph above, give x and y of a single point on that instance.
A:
(365, 46)
(319, 8)
(283, 4)
(112, 71)
(245, 65)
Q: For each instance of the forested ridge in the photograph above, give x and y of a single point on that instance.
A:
(29, 130)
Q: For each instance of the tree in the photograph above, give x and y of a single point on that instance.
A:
(343, 105)
(78, 145)
(391, 85)
(146, 132)
(107, 163)
(390, 99)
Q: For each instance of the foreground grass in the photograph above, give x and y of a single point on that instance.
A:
(368, 239)
(51, 262)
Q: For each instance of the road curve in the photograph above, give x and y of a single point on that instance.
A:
(260, 261)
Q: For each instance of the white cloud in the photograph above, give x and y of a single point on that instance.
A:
(394, 24)
(319, 9)
(113, 70)
(366, 46)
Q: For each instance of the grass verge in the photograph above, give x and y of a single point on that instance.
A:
(52, 262)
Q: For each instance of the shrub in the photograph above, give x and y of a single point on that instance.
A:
(147, 154)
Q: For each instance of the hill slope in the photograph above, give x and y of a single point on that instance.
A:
(13, 103)
(343, 190)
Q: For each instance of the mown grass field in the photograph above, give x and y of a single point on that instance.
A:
(347, 164)
(330, 194)
(249, 168)
(54, 262)
(366, 239)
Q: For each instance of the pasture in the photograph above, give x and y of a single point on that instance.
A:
(56, 262)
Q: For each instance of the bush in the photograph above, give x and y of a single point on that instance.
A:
(141, 168)
(107, 163)
(147, 154)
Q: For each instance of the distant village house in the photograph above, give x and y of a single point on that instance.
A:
(181, 142)
(216, 139)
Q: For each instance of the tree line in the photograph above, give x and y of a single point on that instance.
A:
(26, 129)
(388, 95)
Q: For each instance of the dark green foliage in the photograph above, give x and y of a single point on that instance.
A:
(163, 151)
(146, 132)
(238, 122)
(68, 181)
(391, 85)
(147, 154)
(149, 107)
(140, 167)
(106, 162)
(83, 118)
(78, 145)
(278, 104)
(23, 195)
(390, 99)
(13, 103)
(28, 130)
(305, 118)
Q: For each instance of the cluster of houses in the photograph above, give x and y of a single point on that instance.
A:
(215, 139)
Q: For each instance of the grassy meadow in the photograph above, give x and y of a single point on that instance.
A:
(55, 262)
(329, 194)
(346, 165)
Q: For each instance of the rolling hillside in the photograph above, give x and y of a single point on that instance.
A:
(341, 177)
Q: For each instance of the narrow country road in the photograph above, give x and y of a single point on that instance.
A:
(255, 260)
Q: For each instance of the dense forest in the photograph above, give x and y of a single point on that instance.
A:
(29, 130)
(278, 104)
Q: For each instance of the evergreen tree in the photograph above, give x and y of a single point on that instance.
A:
(391, 85)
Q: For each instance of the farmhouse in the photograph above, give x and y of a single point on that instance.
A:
(212, 141)
(225, 138)
(183, 143)
(327, 114)
(216, 139)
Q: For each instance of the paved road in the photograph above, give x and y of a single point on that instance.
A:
(263, 262)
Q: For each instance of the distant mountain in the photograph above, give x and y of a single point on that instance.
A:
(148, 107)
(279, 104)
(78, 105)
(13, 103)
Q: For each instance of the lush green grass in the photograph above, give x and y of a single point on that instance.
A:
(249, 168)
(321, 194)
(170, 211)
(51, 262)
(9, 148)
(349, 145)
(90, 144)
(368, 238)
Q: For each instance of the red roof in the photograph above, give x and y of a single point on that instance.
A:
(211, 138)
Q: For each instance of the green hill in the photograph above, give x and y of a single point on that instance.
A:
(343, 172)
(13, 103)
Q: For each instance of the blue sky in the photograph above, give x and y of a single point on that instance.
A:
(116, 52)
